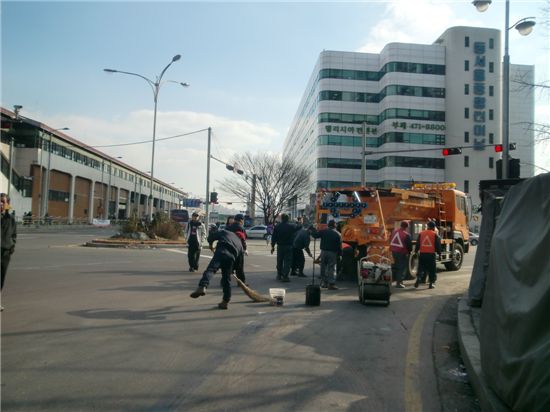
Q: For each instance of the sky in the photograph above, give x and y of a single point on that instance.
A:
(247, 64)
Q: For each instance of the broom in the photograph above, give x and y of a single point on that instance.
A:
(251, 293)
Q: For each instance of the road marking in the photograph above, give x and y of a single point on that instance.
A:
(185, 253)
(413, 397)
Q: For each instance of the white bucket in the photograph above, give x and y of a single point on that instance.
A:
(277, 296)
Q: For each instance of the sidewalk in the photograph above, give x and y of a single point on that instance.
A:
(468, 337)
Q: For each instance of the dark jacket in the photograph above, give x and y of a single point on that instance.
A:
(301, 239)
(9, 231)
(239, 231)
(331, 240)
(283, 234)
(226, 240)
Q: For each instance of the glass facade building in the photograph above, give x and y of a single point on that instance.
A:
(409, 102)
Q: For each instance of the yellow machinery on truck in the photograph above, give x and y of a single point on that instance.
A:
(366, 218)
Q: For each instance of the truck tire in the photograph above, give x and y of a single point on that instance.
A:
(456, 260)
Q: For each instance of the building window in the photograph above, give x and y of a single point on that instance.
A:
(491, 138)
(491, 114)
(466, 113)
(466, 65)
(466, 137)
(467, 41)
(491, 90)
(467, 186)
(466, 161)
(491, 67)
(491, 43)
(466, 89)
(491, 163)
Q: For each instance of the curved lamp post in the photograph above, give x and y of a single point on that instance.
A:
(524, 27)
(155, 87)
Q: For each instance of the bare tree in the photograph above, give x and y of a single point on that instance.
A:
(541, 130)
(277, 182)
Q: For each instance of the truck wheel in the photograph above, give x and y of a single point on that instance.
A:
(456, 260)
(413, 266)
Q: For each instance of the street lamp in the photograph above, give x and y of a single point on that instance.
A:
(155, 87)
(43, 200)
(524, 27)
(107, 203)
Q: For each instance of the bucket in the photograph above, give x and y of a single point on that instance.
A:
(277, 296)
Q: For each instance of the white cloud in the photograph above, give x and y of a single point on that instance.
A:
(418, 21)
(181, 160)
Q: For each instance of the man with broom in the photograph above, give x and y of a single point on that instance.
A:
(229, 250)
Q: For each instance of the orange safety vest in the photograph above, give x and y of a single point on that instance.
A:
(427, 241)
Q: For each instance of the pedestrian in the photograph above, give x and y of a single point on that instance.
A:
(428, 244)
(228, 250)
(9, 236)
(299, 244)
(283, 236)
(331, 248)
(194, 233)
(269, 233)
(401, 247)
(229, 221)
(237, 227)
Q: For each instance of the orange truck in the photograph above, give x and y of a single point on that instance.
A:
(366, 218)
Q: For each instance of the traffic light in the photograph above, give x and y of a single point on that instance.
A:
(513, 169)
(213, 197)
(500, 147)
(448, 151)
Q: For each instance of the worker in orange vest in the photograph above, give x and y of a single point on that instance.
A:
(428, 244)
(400, 246)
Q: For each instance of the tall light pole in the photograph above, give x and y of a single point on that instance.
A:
(44, 199)
(524, 27)
(16, 109)
(207, 200)
(155, 87)
(107, 204)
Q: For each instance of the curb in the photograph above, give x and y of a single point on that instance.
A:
(471, 355)
(129, 245)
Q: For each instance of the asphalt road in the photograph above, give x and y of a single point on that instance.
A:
(115, 330)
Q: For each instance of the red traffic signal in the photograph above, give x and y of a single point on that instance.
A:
(500, 147)
(448, 151)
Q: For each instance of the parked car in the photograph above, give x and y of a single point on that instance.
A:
(257, 232)
(474, 239)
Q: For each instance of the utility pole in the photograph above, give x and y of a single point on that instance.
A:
(253, 198)
(207, 198)
(363, 156)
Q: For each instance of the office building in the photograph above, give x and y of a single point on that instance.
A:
(406, 104)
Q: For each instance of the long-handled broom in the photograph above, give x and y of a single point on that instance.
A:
(251, 293)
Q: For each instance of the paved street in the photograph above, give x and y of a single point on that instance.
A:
(114, 329)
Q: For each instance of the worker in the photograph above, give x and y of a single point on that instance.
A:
(237, 227)
(228, 250)
(331, 248)
(428, 244)
(400, 246)
(283, 236)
